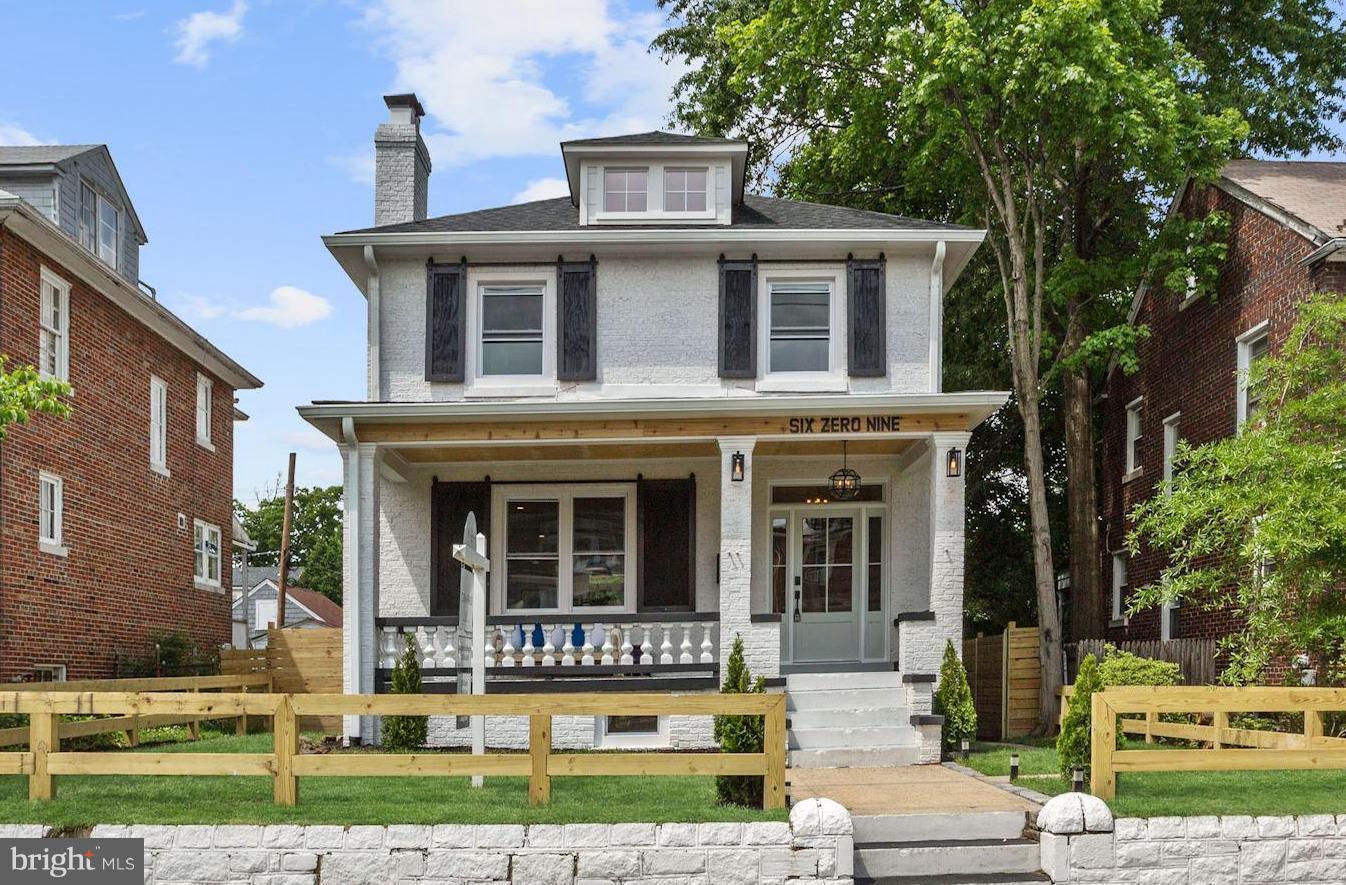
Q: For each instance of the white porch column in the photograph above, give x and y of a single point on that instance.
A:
(761, 642)
(360, 522)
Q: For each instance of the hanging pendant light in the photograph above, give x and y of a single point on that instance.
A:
(845, 483)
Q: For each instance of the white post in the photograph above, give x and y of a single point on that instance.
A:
(761, 647)
(359, 576)
(475, 559)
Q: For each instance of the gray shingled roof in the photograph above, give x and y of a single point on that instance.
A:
(656, 137)
(1313, 191)
(755, 212)
(25, 154)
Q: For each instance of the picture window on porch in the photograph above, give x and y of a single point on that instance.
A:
(801, 327)
(511, 329)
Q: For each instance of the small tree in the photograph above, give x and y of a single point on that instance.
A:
(24, 391)
(740, 734)
(405, 732)
(1072, 745)
(953, 701)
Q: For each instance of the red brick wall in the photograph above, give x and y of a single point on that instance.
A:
(129, 568)
(1189, 365)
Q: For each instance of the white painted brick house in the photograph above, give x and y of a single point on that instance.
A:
(641, 391)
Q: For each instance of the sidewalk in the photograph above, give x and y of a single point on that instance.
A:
(911, 789)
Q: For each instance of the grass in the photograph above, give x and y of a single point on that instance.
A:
(1165, 793)
(83, 800)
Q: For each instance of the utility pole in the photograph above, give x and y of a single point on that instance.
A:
(285, 548)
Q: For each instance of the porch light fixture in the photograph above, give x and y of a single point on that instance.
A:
(955, 462)
(845, 483)
(736, 468)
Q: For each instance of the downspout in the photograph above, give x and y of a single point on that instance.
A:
(937, 319)
(372, 334)
(354, 626)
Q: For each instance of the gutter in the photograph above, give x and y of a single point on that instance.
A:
(646, 236)
(1326, 250)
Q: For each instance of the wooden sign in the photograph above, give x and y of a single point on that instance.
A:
(845, 424)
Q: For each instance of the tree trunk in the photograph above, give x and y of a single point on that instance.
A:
(1049, 616)
(1081, 497)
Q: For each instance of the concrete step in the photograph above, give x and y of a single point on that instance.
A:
(845, 699)
(857, 717)
(855, 757)
(947, 858)
(844, 736)
(956, 879)
(834, 681)
(934, 827)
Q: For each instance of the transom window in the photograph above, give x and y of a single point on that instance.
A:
(99, 224)
(207, 544)
(684, 190)
(54, 326)
(568, 549)
(626, 190)
(801, 327)
(511, 329)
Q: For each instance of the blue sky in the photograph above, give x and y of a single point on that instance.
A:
(244, 132)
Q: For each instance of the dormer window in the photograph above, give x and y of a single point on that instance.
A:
(99, 224)
(685, 190)
(626, 189)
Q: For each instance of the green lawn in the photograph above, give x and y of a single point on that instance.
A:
(359, 800)
(1164, 793)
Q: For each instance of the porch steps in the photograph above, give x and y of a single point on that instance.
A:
(849, 720)
(986, 848)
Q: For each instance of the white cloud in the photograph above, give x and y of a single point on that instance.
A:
(483, 70)
(198, 31)
(359, 168)
(542, 189)
(128, 16)
(14, 134)
(198, 307)
(308, 440)
(291, 307)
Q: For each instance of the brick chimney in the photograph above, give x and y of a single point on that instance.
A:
(401, 163)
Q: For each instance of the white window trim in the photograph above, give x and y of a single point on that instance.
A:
(657, 738)
(479, 384)
(161, 431)
(501, 497)
(205, 386)
(654, 194)
(207, 527)
(62, 289)
(1130, 449)
(1244, 344)
(834, 380)
(1118, 615)
(58, 671)
(100, 199)
(54, 545)
(1172, 431)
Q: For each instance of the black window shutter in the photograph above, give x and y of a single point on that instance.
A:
(450, 503)
(666, 531)
(577, 320)
(445, 321)
(866, 350)
(738, 318)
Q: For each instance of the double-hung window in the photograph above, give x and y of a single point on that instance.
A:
(159, 424)
(626, 189)
(568, 548)
(88, 217)
(1171, 436)
(99, 224)
(684, 190)
(206, 541)
(1252, 349)
(1119, 584)
(511, 329)
(50, 516)
(204, 393)
(1133, 435)
(800, 327)
(54, 326)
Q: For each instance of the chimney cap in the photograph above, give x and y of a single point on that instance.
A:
(405, 100)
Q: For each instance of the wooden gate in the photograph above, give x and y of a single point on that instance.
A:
(1005, 674)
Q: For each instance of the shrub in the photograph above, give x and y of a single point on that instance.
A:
(1125, 668)
(740, 734)
(953, 701)
(405, 732)
(1072, 745)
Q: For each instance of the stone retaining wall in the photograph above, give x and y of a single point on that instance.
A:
(814, 848)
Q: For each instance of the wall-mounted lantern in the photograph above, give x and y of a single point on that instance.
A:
(955, 462)
(736, 468)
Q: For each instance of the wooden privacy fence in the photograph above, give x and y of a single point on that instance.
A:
(1005, 674)
(1269, 750)
(44, 759)
(298, 661)
(133, 724)
(1198, 659)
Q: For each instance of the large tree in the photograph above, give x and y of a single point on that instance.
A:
(315, 534)
(1060, 125)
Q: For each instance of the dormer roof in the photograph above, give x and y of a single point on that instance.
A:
(670, 145)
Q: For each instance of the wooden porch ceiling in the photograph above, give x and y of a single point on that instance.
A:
(591, 451)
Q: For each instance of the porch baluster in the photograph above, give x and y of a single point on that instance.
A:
(548, 647)
(686, 656)
(647, 648)
(438, 636)
(707, 657)
(507, 654)
(666, 647)
(626, 643)
(529, 650)
(568, 647)
(587, 653)
(426, 642)
(488, 648)
(388, 646)
(450, 647)
(608, 647)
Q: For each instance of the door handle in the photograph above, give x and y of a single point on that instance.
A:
(798, 602)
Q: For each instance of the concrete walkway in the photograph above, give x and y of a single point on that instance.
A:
(910, 789)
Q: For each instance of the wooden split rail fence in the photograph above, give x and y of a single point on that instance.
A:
(134, 724)
(1256, 750)
(44, 759)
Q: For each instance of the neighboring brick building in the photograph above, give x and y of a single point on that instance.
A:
(116, 522)
(1287, 239)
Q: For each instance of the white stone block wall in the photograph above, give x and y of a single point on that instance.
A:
(814, 848)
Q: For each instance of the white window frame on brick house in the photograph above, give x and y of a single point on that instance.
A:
(832, 378)
(1247, 343)
(51, 513)
(54, 326)
(205, 393)
(51, 672)
(1120, 567)
(1172, 427)
(159, 425)
(1133, 437)
(202, 560)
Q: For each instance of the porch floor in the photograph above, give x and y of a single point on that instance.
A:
(909, 789)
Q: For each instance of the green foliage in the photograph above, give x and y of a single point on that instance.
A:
(402, 733)
(1257, 522)
(953, 701)
(1125, 668)
(176, 655)
(1072, 745)
(740, 734)
(315, 533)
(322, 566)
(23, 392)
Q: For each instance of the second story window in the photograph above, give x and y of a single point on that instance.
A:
(511, 330)
(684, 190)
(1119, 584)
(800, 327)
(626, 190)
(1171, 436)
(206, 540)
(99, 224)
(159, 425)
(50, 504)
(1252, 349)
(54, 326)
(1133, 436)
(204, 393)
